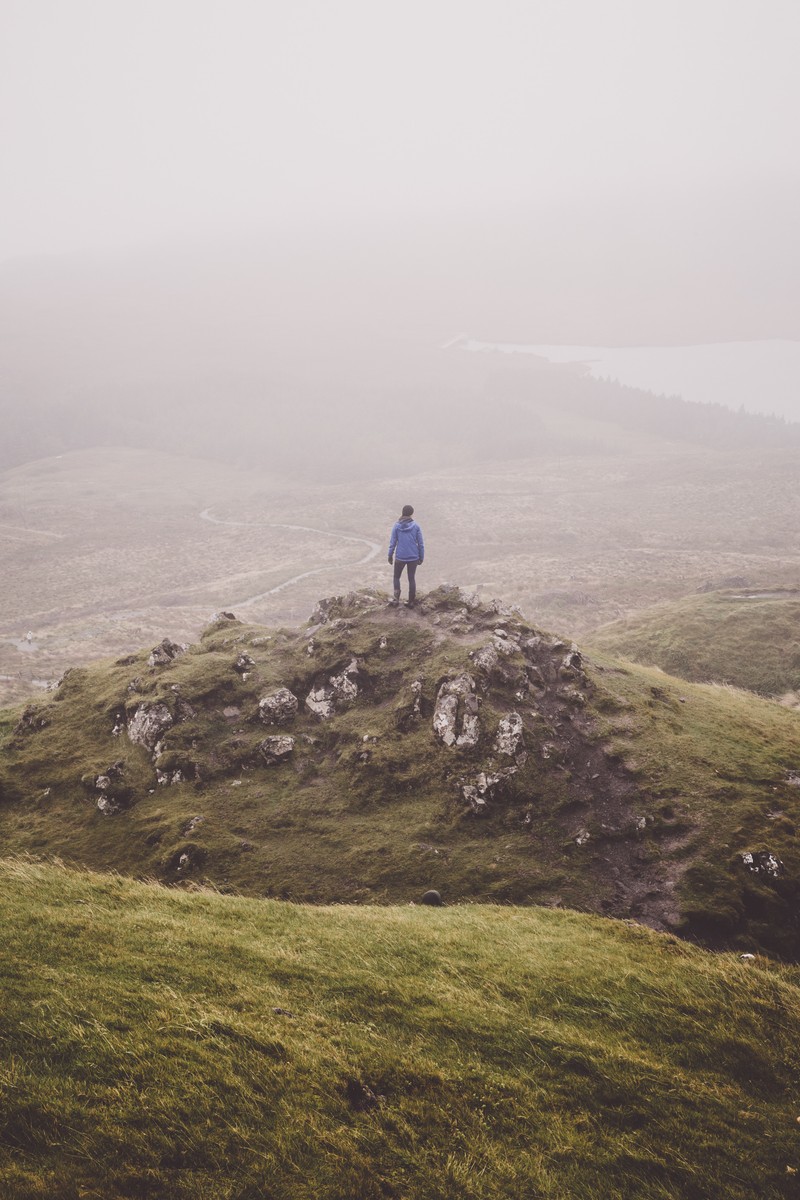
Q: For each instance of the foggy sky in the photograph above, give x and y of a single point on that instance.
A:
(132, 121)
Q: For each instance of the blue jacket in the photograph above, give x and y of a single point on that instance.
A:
(407, 537)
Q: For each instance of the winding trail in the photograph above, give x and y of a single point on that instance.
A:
(24, 529)
(373, 550)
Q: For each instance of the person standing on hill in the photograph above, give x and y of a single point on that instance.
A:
(407, 549)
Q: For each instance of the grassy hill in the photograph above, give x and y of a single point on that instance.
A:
(158, 1043)
(589, 784)
(746, 637)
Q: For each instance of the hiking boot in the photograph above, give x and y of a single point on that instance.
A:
(393, 603)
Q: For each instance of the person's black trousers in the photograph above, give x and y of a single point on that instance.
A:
(412, 582)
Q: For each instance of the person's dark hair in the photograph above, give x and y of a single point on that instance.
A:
(408, 510)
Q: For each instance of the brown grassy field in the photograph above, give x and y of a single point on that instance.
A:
(107, 550)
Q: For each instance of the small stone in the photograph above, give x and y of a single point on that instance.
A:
(509, 737)
(278, 707)
(483, 788)
(166, 652)
(276, 749)
(148, 725)
(763, 862)
(455, 717)
(324, 698)
(486, 658)
(108, 806)
(167, 778)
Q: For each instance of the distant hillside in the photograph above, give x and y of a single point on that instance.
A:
(745, 637)
(303, 365)
(380, 752)
(348, 424)
(186, 1045)
(663, 418)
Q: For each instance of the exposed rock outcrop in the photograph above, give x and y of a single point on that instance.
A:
(276, 749)
(455, 717)
(509, 740)
(337, 690)
(148, 724)
(108, 806)
(483, 788)
(486, 658)
(165, 778)
(278, 707)
(32, 718)
(763, 862)
(572, 661)
(334, 608)
(166, 652)
(111, 795)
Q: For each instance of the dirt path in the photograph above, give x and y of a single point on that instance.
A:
(372, 550)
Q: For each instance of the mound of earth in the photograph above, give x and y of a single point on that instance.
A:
(746, 637)
(379, 753)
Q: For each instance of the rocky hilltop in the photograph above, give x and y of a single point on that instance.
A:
(379, 753)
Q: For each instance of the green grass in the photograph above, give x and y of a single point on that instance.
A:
(752, 643)
(467, 1052)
